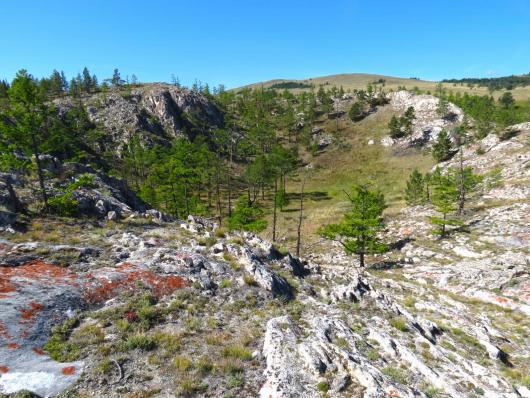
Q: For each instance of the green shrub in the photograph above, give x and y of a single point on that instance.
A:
(399, 323)
(64, 205)
(140, 341)
(395, 374)
(83, 181)
(247, 217)
(323, 386)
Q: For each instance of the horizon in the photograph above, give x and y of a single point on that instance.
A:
(224, 43)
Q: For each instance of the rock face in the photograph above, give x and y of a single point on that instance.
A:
(102, 195)
(10, 205)
(428, 123)
(156, 112)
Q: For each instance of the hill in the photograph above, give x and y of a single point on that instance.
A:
(351, 81)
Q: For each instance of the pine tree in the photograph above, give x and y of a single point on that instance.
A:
(116, 79)
(394, 126)
(247, 216)
(441, 149)
(444, 199)
(443, 108)
(26, 122)
(56, 83)
(86, 83)
(415, 191)
(357, 232)
(407, 120)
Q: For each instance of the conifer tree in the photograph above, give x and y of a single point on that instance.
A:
(444, 199)
(247, 216)
(26, 122)
(86, 83)
(357, 232)
(415, 191)
(441, 149)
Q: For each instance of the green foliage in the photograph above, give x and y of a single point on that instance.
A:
(247, 216)
(444, 199)
(85, 180)
(357, 232)
(396, 374)
(357, 111)
(415, 191)
(140, 341)
(496, 83)
(323, 386)
(290, 85)
(402, 126)
(64, 205)
(442, 108)
(441, 149)
(58, 346)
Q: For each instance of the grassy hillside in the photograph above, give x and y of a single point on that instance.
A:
(349, 160)
(352, 81)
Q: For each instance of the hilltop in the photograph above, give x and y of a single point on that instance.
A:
(351, 81)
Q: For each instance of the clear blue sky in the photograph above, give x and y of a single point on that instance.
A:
(243, 41)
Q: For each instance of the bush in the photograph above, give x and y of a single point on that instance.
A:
(63, 205)
(83, 181)
(247, 217)
(400, 324)
(140, 341)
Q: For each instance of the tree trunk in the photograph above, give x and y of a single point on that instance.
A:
(40, 173)
(300, 217)
(274, 212)
(175, 200)
(462, 193)
(228, 182)
(186, 199)
(361, 258)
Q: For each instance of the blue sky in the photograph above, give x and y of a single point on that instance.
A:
(244, 41)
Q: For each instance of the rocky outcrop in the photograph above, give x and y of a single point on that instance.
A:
(428, 123)
(158, 113)
(10, 205)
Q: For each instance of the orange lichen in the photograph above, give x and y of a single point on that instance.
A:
(13, 346)
(501, 300)
(68, 371)
(30, 313)
(4, 369)
(126, 276)
(6, 286)
(38, 350)
(3, 331)
(34, 270)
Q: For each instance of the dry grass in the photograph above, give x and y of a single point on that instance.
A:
(350, 81)
(337, 168)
